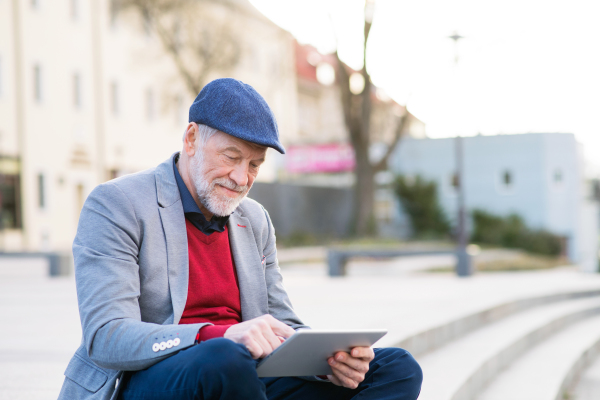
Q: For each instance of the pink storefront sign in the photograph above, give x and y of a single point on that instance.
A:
(320, 158)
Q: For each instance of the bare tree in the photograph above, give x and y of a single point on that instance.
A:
(199, 36)
(357, 117)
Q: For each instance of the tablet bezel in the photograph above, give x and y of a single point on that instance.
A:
(305, 353)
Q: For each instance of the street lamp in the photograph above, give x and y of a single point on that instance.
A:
(463, 264)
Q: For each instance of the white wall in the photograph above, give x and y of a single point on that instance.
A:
(75, 147)
(531, 159)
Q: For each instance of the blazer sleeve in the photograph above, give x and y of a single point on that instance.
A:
(280, 305)
(105, 251)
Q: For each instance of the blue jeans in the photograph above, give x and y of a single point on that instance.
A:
(222, 369)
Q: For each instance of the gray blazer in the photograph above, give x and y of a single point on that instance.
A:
(131, 271)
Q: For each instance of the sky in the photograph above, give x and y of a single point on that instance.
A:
(524, 65)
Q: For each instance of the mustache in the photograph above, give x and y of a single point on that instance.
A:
(229, 184)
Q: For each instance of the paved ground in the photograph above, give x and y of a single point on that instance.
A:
(41, 328)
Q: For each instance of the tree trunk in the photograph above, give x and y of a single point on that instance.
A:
(364, 189)
(357, 110)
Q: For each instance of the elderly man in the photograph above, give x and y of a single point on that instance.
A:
(178, 284)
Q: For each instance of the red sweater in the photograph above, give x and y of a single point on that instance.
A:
(213, 291)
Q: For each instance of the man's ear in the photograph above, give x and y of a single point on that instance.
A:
(190, 139)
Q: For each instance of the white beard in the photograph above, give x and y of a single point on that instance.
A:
(218, 204)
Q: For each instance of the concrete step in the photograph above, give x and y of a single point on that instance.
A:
(587, 386)
(438, 336)
(548, 369)
(463, 367)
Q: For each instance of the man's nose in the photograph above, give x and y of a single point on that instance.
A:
(239, 175)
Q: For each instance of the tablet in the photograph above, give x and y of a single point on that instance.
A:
(306, 352)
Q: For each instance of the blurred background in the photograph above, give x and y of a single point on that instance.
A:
(424, 140)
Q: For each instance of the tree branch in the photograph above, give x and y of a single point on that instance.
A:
(207, 46)
(343, 80)
(172, 47)
(381, 165)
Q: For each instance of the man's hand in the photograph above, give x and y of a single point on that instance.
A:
(260, 335)
(349, 369)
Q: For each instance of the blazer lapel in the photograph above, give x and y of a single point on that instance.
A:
(173, 222)
(247, 259)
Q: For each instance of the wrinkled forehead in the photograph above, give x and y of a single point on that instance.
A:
(222, 141)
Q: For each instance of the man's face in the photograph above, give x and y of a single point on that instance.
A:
(223, 171)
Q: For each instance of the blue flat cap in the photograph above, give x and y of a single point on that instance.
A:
(235, 108)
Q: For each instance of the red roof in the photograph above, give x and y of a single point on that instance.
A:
(308, 58)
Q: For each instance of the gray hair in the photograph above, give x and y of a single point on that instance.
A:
(205, 132)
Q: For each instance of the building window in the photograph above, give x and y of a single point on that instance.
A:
(150, 108)
(10, 203)
(557, 177)
(37, 83)
(114, 98)
(77, 101)
(41, 191)
(113, 12)
(75, 9)
(147, 24)
(506, 181)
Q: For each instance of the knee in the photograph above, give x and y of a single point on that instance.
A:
(413, 369)
(223, 357)
(401, 367)
(221, 368)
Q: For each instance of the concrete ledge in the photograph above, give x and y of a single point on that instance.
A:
(59, 263)
(434, 338)
(338, 258)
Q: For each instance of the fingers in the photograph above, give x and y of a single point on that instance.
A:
(348, 370)
(263, 335)
(364, 353)
(271, 338)
(260, 335)
(347, 376)
(358, 364)
(278, 327)
(334, 379)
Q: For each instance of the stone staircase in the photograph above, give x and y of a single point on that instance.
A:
(530, 349)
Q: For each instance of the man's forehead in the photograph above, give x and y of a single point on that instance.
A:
(228, 142)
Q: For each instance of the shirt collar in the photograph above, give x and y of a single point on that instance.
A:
(192, 211)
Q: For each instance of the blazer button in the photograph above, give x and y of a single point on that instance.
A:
(163, 345)
(155, 347)
(176, 341)
(169, 344)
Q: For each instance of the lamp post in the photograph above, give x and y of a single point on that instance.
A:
(463, 264)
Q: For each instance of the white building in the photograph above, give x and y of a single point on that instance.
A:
(537, 176)
(85, 96)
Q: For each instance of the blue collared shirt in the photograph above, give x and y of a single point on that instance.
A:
(192, 211)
